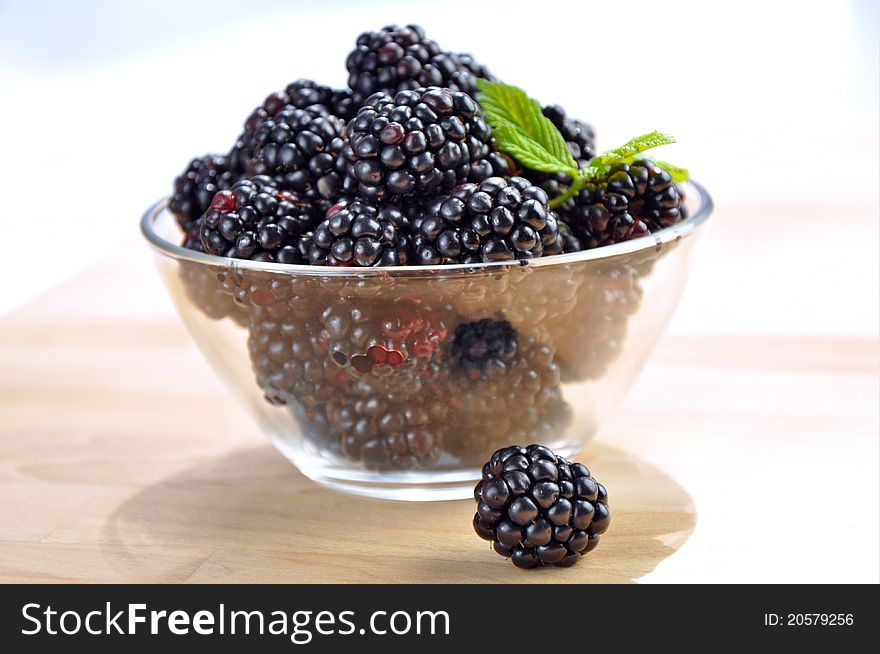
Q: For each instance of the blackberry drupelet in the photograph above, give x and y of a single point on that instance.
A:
(484, 347)
(360, 233)
(422, 141)
(538, 508)
(496, 220)
(300, 150)
(195, 187)
(401, 58)
(631, 200)
(254, 220)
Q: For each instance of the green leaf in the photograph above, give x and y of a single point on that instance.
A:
(522, 131)
(630, 150)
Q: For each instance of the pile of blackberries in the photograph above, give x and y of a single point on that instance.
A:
(406, 144)
(401, 168)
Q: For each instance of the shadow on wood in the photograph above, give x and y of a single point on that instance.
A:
(251, 517)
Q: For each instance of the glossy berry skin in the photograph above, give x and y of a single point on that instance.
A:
(578, 135)
(631, 200)
(499, 219)
(195, 187)
(300, 94)
(538, 508)
(360, 233)
(300, 149)
(419, 142)
(402, 58)
(255, 220)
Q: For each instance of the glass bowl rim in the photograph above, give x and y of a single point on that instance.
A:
(655, 239)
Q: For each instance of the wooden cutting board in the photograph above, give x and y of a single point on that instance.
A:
(122, 458)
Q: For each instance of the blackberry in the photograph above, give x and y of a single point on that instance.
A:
(530, 302)
(285, 356)
(203, 288)
(538, 509)
(360, 233)
(494, 403)
(267, 290)
(578, 135)
(195, 187)
(386, 432)
(300, 149)
(254, 220)
(300, 95)
(401, 58)
(476, 69)
(383, 348)
(592, 334)
(422, 141)
(191, 239)
(483, 346)
(631, 200)
(496, 220)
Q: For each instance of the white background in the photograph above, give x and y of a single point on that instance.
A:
(104, 101)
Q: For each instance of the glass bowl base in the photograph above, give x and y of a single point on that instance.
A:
(410, 486)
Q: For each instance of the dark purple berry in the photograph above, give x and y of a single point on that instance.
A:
(551, 515)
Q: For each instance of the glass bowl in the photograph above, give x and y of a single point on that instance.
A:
(369, 380)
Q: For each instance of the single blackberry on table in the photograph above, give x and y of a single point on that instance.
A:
(539, 509)
(401, 58)
(195, 187)
(421, 141)
(496, 220)
(358, 232)
(300, 150)
(255, 220)
(629, 201)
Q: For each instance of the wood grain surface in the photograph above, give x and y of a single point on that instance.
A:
(741, 456)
